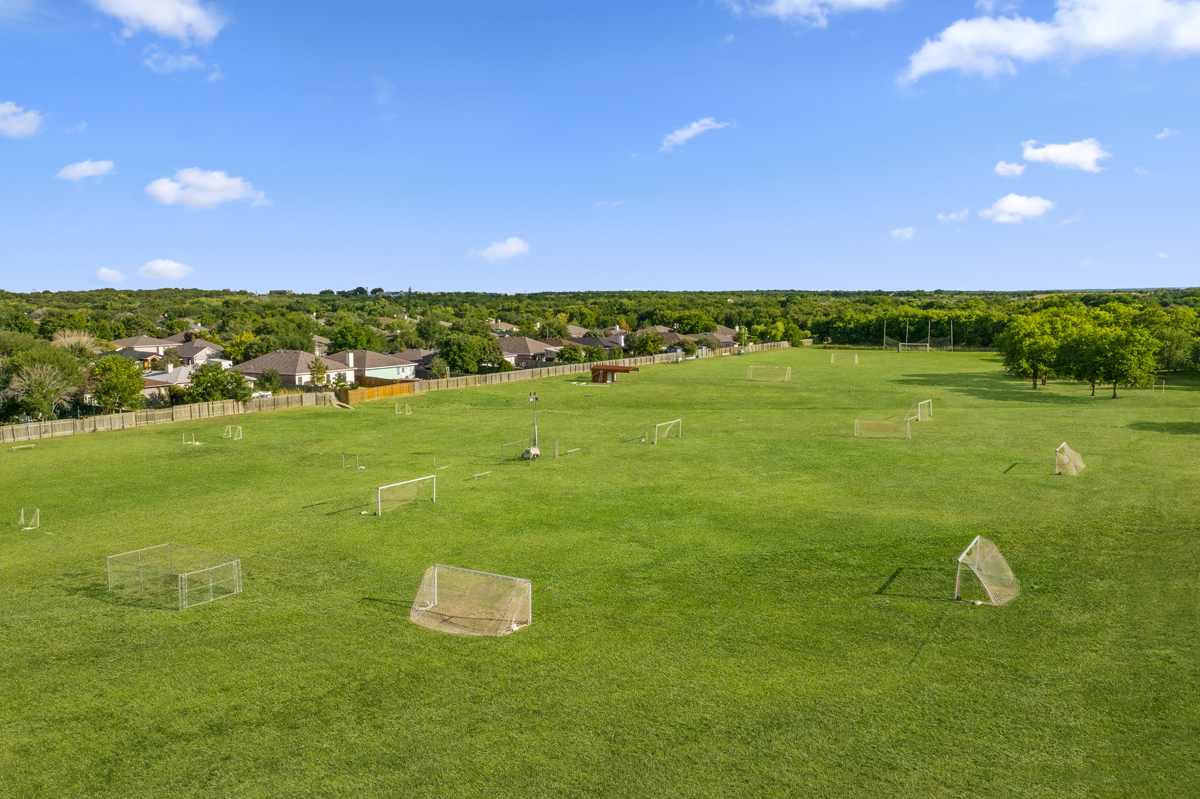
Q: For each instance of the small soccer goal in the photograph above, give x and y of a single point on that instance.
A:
(1067, 460)
(190, 439)
(466, 602)
(403, 410)
(174, 575)
(665, 430)
(920, 411)
(769, 374)
(1160, 385)
(31, 519)
(233, 431)
(397, 495)
(983, 559)
(882, 428)
(351, 462)
(904, 347)
(843, 357)
(516, 450)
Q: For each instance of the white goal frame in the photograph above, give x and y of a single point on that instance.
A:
(407, 411)
(983, 558)
(193, 439)
(905, 347)
(920, 411)
(219, 577)
(1160, 383)
(1068, 452)
(787, 374)
(379, 491)
(233, 431)
(669, 427)
(860, 430)
(833, 356)
(515, 594)
(31, 518)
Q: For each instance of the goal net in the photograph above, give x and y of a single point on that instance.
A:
(351, 462)
(912, 346)
(769, 374)
(233, 431)
(1067, 460)
(465, 602)
(668, 429)
(843, 357)
(397, 495)
(31, 518)
(173, 575)
(515, 450)
(920, 411)
(983, 559)
(882, 428)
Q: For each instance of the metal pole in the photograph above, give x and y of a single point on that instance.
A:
(952, 335)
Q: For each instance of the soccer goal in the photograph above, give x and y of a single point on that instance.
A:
(882, 428)
(920, 411)
(403, 410)
(1160, 385)
(31, 518)
(397, 495)
(769, 374)
(190, 438)
(843, 357)
(515, 450)
(174, 575)
(983, 559)
(1067, 460)
(667, 430)
(921, 346)
(233, 432)
(351, 462)
(465, 602)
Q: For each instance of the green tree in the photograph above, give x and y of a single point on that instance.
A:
(317, 369)
(40, 388)
(645, 342)
(238, 343)
(595, 352)
(1029, 348)
(554, 328)
(269, 380)
(431, 330)
(688, 346)
(571, 353)
(460, 352)
(695, 322)
(356, 337)
(439, 367)
(211, 383)
(170, 357)
(118, 383)
(1081, 352)
(1178, 350)
(472, 327)
(1128, 358)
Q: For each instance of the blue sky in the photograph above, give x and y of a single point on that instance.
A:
(530, 146)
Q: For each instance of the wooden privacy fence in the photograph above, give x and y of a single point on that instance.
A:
(351, 396)
(177, 413)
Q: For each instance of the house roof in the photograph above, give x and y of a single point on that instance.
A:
(498, 325)
(193, 348)
(672, 337)
(180, 375)
(574, 331)
(416, 355)
(592, 341)
(522, 345)
(369, 359)
(143, 341)
(132, 354)
(289, 362)
(320, 339)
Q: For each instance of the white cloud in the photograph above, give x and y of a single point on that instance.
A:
(1007, 170)
(810, 12)
(1141, 170)
(200, 188)
(1076, 155)
(16, 9)
(904, 233)
(85, 169)
(1080, 28)
(498, 250)
(603, 203)
(106, 275)
(1163, 255)
(17, 123)
(1166, 133)
(688, 132)
(185, 20)
(164, 269)
(1012, 208)
(162, 63)
(956, 216)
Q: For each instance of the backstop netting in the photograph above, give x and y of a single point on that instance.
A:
(983, 559)
(769, 374)
(1067, 460)
(465, 602)
(843, 357)
(397, 495)
(920, 411)
(882, 428)
(174, 576)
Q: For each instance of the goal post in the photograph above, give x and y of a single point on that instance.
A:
(916, 346)
(1067, 461)
(233, 432)
(843, 357)
(395, 495)
(882, 428)
(174, 575)
(31, 518)
(920, 411)
(673, 427)
(466, 602)
(983, 559)
(403, 410)
(351, 462)
(769, 374)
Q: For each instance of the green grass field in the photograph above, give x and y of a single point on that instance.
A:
(761, 608)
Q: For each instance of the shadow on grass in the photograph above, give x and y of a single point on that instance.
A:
(915, 582)
(1028, 467)
(991, 386)
(98, 590)
(1175, 428)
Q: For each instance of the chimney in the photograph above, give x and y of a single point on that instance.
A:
(350, 358)
(170, 368)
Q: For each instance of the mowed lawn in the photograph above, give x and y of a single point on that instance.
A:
(760, 608)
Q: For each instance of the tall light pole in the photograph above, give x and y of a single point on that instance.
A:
(533, 399)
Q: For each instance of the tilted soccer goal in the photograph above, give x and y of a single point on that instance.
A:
(769, 374)
(882, 428)
(920, 411)
(667, 429)
(843, 357)
(403, 409)
(1067, 460)
(173, 575)
(983, 559)
(31, 518)
(465, 602)
(233, 432)
(190, 438)
(351, 462)
(397, 495)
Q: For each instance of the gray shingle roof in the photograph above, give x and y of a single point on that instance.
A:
(289, 362)
(143, 341)
(522, 345)
(369, 359)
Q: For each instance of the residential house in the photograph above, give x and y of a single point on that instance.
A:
(157, 383)
(146, 360)
(294, 367)
(501, 328)
(575, 331)
(198, 352)
(609, 344)
(522, 351)
(421, 360)
(144, 344)
(366, 363)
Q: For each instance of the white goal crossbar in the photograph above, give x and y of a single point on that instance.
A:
(920, 411)
(468, 602)
(31, 518)
(380, 492)
(233, 432)
(903, 347)
(770, 374)
(1067, 461)
(882, 428)
(983, 558)
(846, 356)
(670, 428)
